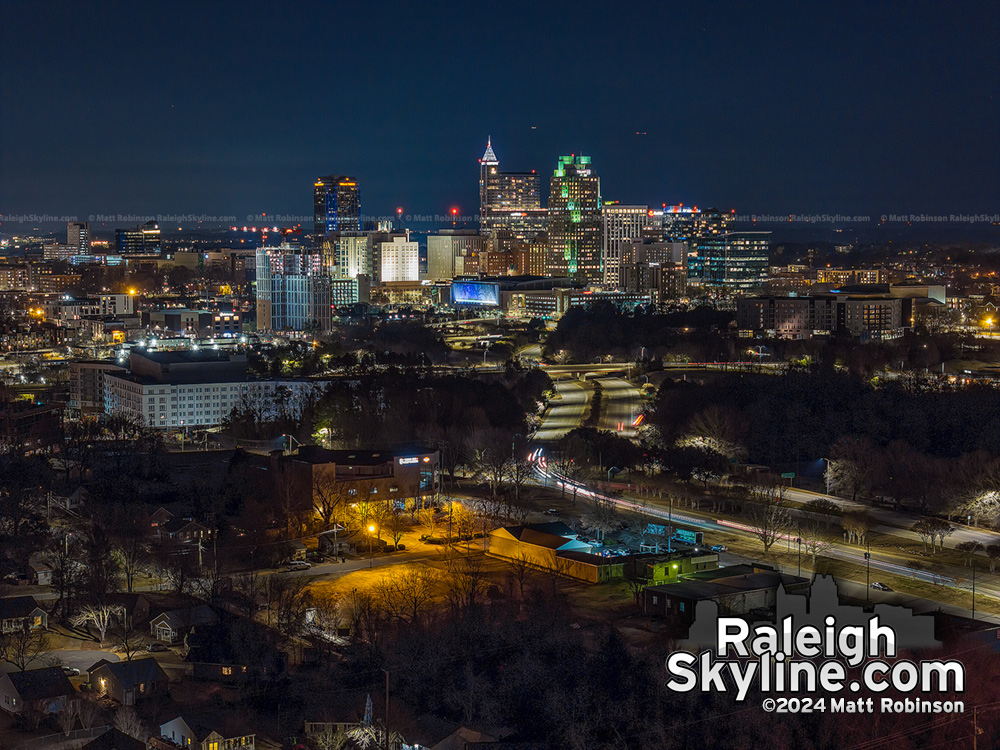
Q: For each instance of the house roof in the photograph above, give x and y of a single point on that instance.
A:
(114, 739)
(17, 606)
(227, 724)
(186, 618)
(41, 684)
(132, 673)
(176, 524)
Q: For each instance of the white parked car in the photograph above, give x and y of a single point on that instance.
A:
(299, 565)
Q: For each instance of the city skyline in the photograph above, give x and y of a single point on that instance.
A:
(822, 116)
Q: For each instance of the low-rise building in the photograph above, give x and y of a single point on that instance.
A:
(20, 612)
(45, 690)
(195, 734)
(129, 681)
(172, 626)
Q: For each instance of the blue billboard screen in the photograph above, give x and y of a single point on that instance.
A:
(475, 294)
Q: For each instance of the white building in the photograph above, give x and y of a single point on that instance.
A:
(400, 260)
(623, 226)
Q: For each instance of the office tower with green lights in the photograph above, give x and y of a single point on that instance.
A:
(575, 238)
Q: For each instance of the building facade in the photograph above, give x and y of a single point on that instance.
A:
(574, 225)
(337, 205)
(623, 226)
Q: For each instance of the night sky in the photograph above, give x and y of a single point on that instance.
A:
(234, 108)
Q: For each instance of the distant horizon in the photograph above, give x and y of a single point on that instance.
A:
(229, 110)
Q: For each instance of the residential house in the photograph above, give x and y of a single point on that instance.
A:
(128, 681)
(157, 518)
(171, 627)
(39, 571)
(216, 652)
(114, 739)
(19, 612)
(182, 530)
(47, 690)
(430, 732)
(221, 733)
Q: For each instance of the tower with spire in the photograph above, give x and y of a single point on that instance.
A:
(489, 167)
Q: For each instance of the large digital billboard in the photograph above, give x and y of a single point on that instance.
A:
(475, 294)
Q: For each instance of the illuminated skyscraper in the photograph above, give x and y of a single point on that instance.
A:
(508, 201)
(575, 221)
(78, 237)
(734, 260)
(336, 204)
(623, 225)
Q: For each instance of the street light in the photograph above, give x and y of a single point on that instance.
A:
(371, 552)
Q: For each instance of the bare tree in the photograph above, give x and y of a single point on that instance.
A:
(21, 646)
(67, 716)
(429, 518)
(330, 496)
(101, 616)
(927, 531)
(467, 583)
(395, 525)
(288, 598)
(814, 539)
(88, 711)
(128, 638)
(520, 568)
(249, 589)
(602, 516)
(767, 514)
(970, 549)
(330, 740)
(127, 722)
(406, 597)
(993, 552)
(856, 526)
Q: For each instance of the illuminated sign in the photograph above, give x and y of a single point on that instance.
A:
(408, 461)
(475, 294)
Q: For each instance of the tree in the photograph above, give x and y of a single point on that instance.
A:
(395, 525)
(853, 466)
(288, 598)
(993, 552)
(814, 540)
(467, 583)
(970, 549)
(635, 576)
(127, 722)
(21, 646)
(602, 517)
(767, 515)
(330, 495)
(856, 525)
(429, 518)
(406, 597)
(330, 740)
(716, 429)
(88, 712)
(520, 568)
(927, 531)
(127, 637)
(101, 616)
(67, 716)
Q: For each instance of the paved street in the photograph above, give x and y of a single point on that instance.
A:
(79, 658)
(566, 411)
(622, 404)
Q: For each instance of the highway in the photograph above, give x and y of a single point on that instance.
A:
(622, 405)
(987, 583)
(566, 411)
(572, 403)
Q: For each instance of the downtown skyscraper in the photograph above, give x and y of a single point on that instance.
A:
(575, 236)
(509, 202)
(336, 205)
